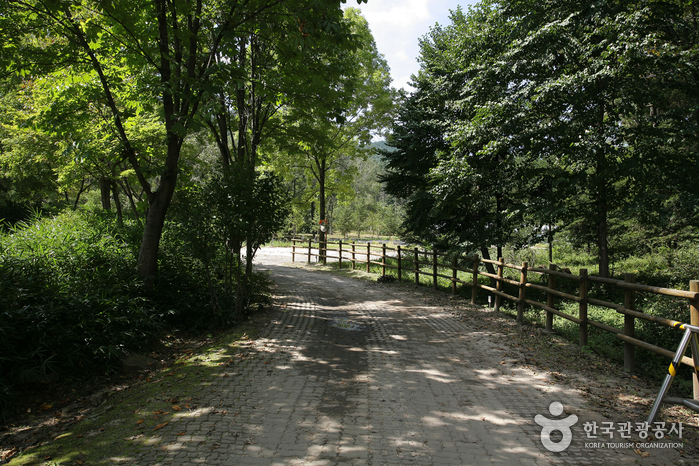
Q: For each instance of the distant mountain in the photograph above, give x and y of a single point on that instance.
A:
(381, 145)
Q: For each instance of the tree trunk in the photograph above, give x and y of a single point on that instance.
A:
(550, 238)
(602, 237)
(130, 195)
(488, 266)
(105, 193)
(117, 203)
(158, 203)
(321, 206)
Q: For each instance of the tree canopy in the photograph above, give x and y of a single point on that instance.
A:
(563, 115)
(116, 92)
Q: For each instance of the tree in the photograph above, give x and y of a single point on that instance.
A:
(546, 117)
(169, 47)
(325, 135)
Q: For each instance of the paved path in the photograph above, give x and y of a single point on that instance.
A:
(351, 372)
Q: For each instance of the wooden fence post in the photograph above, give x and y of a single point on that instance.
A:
(550, 299)
(293, 250)
(324, 245)
(353, 258)
(383, 259)
(522, 291)
(474, 286)
(434, 267)
(454, 265)
(417, 267)
(339, 255)
(694, 320)
(582, 313)
(498, 284)
(399, 262)
(309, 250)
(629, 323)
(368, 256)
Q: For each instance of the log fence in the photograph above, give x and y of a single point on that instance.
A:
(425, 262)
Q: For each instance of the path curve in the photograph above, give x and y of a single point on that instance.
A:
(354, 372)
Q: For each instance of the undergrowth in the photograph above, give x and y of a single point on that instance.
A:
(71, 304)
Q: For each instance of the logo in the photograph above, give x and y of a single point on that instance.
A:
(551, 425)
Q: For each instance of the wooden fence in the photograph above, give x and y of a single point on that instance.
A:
(415, 262)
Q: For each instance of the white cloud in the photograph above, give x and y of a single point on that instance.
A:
(397, 25)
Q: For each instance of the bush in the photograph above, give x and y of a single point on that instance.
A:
(71, 304)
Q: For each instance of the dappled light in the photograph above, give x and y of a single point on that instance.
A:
(349, 371)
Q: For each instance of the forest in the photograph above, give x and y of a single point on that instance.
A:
(533, 121)
(144, 158)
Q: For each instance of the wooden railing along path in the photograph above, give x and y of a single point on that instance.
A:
(415, 262)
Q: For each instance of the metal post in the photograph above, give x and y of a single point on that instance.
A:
(672, 370)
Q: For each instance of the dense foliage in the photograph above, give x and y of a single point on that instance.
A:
(154, 137)
(534, 119)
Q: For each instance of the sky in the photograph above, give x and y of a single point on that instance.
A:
(397, 25)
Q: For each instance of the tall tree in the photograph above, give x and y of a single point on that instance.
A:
(170, 46)
(326, 133)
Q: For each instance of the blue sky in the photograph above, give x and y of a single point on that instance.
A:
(398, 24)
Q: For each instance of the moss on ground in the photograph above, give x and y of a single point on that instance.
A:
(127, 417)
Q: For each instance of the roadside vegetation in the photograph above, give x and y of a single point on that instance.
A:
(147, 150)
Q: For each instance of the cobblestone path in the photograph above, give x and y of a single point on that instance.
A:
(351, 372)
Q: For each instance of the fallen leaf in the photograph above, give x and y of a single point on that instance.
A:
(641, 453)
(176, 408)
(140, 421)
(160, 426)
(46, 407)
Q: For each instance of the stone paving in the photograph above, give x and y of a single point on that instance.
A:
(351, 372)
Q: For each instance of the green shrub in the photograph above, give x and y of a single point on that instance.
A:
(70, 302)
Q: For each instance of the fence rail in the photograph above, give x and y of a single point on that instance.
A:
(425, 262)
